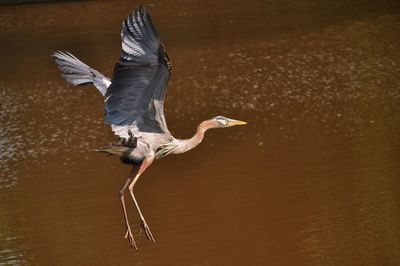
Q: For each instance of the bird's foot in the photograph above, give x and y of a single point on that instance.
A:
(130, 238)
(145, 227)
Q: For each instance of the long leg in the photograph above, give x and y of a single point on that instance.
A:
(143, 224)
(128, 234)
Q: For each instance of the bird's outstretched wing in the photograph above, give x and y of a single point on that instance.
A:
(75, 72)
(140, 78)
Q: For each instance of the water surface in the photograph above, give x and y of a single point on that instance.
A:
(313, 179)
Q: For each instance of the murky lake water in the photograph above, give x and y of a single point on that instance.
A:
(313, 179)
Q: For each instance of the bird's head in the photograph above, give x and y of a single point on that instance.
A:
(221, 121)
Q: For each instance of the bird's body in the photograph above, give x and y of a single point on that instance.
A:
(134, 102)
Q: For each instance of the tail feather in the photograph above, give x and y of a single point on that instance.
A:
(115, 149)
(121, 151)
(75, 72)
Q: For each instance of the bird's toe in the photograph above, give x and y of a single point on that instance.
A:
(131, 240)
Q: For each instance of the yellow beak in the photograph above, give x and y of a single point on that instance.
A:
(237, 122)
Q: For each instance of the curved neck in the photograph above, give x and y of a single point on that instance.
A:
(188, 144)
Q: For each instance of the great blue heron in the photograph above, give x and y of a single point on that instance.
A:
(134, 100)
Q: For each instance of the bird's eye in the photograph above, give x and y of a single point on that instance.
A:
(222, 122)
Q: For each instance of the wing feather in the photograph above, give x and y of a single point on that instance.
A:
(137, 91)
(75, 72)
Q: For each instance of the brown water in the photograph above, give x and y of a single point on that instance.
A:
(314, 179)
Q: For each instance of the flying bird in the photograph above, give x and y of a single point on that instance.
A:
(134, 103)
